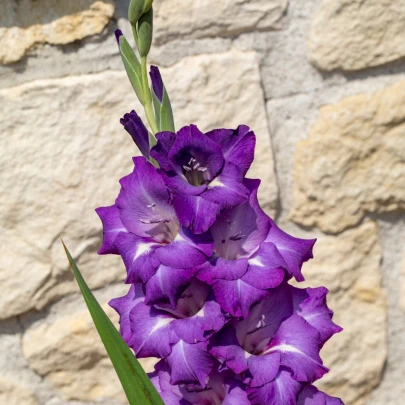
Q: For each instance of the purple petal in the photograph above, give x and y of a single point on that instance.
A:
(144, 203)
(236, 393)
(219, 268)
(151, 332)
(138, 255)
(157, 82)
(170, 398)
(167, 284)
(112, 226)
(239, 231)
(195, 212)
(199, 327)
(160, 378)
(189, 363)
(124, 305)
(178, 183)
(283, 390)
(258, 370)
(227, 188)
(236, 297)
(311, 396)
(310, 303)
(227, 349)
(264, 319)
(135, 127)
(266, 267)
(191, 142)
(118, 34)
(298, 344)
(160, 151)
(294, 251)
(187, 250)
(193, 299)
(262, 369)
(238, 145)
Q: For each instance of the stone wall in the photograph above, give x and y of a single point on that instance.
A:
(322, 83)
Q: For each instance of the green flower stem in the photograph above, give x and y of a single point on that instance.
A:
(148, 97)
(135, 33)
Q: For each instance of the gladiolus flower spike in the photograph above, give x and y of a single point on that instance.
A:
(208, 270)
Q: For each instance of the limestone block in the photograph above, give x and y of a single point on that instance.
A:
(353, 161)
(26, 23)
(12, 393)
(190, 19)
(349, 266)
(69, 353)
(64, 152)
(357, 34)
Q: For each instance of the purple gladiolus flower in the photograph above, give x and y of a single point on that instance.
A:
(204, 171)
(209, 273)
(179, 335)
(287, 329)
(143, 228)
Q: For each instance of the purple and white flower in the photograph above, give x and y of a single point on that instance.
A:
(143, 228)
(179, 336)
(286, 330)
(204, 171)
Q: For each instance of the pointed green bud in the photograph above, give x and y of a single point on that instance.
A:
(145, 32)
(132, 65)
(137, 8)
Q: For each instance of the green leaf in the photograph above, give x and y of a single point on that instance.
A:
(132, 66)
(137, 385)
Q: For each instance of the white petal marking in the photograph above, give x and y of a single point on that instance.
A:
(255, 262)
(216, 183)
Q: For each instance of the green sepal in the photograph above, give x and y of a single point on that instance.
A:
(137, 385)
(145, 32)
(163, 112)
(132, 67)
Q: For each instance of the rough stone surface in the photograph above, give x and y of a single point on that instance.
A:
(402, 296)
(357, 34)
(11, 393)
(24, 24)
(59, 169)
(349, 265)
(70, 355)
(334, 191)
(210, 18)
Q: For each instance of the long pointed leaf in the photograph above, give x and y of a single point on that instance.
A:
(137, 385)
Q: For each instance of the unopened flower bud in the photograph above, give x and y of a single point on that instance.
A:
(145, 32)
(137, 8)
(161, 102)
